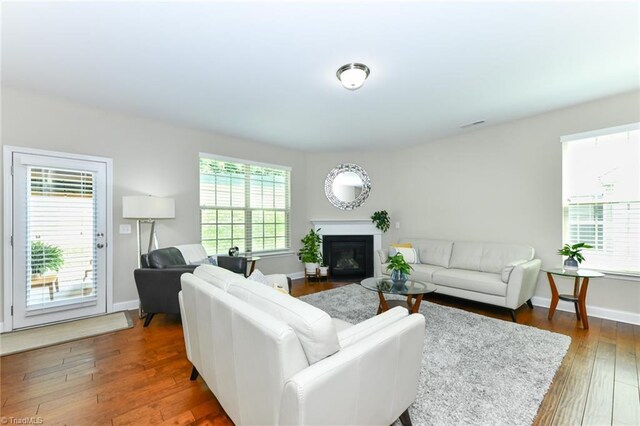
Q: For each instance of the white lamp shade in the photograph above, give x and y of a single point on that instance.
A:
(148, 207)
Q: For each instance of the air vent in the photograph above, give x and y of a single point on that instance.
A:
(475, 123)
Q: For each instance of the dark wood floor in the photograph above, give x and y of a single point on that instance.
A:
(141, 375)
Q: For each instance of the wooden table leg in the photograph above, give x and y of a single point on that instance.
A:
(414, 308)
(582, 302)
(253, 266)
(576, 289)
(383, 307)
(555, 297)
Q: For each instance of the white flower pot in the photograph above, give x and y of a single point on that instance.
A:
(324, 271)
(310, 268)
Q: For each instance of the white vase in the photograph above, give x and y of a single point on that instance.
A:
(310, 268)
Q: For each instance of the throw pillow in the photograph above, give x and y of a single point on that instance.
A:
(508, 268)
(410, 254)
(259, 277)
(205, 261)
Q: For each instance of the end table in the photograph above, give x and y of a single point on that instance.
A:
(579, 296)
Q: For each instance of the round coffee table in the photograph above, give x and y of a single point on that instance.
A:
(412, 289)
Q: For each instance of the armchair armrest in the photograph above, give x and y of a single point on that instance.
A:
(371, 326)
(522, 283)
(158, 288)
(371, 381)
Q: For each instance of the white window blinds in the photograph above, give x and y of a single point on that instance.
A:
(61, 224)
(243, 204)
(601, 197)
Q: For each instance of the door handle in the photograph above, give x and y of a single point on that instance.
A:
(100, 245)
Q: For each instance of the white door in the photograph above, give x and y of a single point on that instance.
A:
(59, 238)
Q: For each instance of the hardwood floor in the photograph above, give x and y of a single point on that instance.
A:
(141, 375)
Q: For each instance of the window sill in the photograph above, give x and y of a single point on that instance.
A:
(270, 254)
(619, 275)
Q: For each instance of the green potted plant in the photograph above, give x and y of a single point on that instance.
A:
(310, 252)
(381, 220)
(574, 255)
(45, 258)
(399, 268)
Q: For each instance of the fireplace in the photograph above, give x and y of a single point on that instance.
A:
(348, 256)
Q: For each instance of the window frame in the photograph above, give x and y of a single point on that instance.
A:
(615, 274)
(247, 209)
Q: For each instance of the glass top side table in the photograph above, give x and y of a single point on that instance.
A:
(579, 296)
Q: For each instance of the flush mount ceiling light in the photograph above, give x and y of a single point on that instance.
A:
(352, 76)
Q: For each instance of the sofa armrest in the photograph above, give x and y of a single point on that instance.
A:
(369, 382)
(368, 327)
(379, 258)
(522, 283)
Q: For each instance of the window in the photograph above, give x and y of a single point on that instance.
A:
(601, 197)
(243, 204)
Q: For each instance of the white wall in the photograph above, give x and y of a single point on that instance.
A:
(149, 157)
(500, 184)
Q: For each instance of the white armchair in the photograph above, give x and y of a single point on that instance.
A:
(272, 359)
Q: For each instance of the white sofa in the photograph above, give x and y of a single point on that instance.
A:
(498, 274)
(272, 359)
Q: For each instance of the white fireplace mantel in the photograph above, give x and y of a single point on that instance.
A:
(349, 227)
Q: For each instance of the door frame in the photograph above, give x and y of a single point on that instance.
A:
(7, 196)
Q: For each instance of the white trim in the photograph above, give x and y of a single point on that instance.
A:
(270, 254)
(600, 132)
(127, 305)
(242, 161)
(349, 227)
(593, 311)
(7, 153)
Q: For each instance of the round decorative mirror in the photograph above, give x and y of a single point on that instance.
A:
(347, 186)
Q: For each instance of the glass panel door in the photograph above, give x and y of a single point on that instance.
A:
(59, 229)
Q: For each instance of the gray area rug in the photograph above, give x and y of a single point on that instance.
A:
(475, 370)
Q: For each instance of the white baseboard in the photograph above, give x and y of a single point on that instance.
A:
(592, 311)
(126, 306)
(296, 275)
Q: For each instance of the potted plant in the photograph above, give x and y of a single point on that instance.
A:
(381, 220)
(399, 268)
(310, 252)
(574, 255)
(45, 257)
(324, 269)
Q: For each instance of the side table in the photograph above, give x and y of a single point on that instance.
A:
(579, 296)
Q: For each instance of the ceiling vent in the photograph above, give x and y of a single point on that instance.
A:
(475, 123)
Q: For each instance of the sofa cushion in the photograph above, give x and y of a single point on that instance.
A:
(465, 255)
(314, 327)
(496, 256)
(482, 282)
(433, 252)
(422, 272)
(217, 276)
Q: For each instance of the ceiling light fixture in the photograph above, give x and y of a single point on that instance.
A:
(352, 76)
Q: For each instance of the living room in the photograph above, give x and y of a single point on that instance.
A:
(87, 91)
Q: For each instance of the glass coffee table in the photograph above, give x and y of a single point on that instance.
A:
(412, 289)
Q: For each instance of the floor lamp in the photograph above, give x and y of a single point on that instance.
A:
(147, 209)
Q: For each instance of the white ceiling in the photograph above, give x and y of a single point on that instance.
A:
(265, 71)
